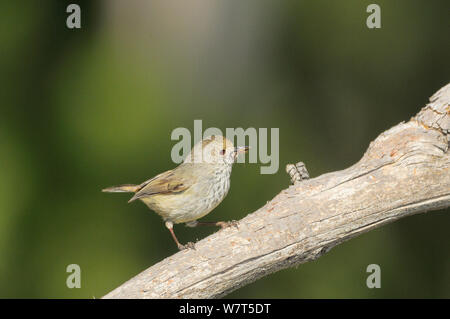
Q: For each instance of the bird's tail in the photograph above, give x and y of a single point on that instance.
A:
(128, 188)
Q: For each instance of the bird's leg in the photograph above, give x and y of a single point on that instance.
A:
(169, 226)
(220, 224)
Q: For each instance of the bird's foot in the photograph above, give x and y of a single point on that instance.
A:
(188, 245)
(231, 223)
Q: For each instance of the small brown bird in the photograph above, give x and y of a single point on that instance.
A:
(192, 189)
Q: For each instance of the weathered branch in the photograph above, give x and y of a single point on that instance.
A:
(404, 171)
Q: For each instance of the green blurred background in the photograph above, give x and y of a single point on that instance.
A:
(94, 107)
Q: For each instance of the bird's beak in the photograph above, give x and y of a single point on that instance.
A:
(241, 149)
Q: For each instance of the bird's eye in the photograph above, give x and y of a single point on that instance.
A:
(222, 152)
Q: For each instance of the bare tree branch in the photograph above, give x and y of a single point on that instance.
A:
(404, 171)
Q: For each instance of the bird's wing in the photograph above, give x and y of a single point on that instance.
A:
(169, 182)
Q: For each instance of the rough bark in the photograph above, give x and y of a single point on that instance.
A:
(403, 172)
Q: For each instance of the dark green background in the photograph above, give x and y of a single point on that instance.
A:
(89, 108)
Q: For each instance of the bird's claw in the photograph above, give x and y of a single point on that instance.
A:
(188, 245)
(228, 224)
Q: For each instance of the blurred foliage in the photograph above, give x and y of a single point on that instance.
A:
(89, 108)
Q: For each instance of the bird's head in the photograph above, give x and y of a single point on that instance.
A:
(215, 149)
